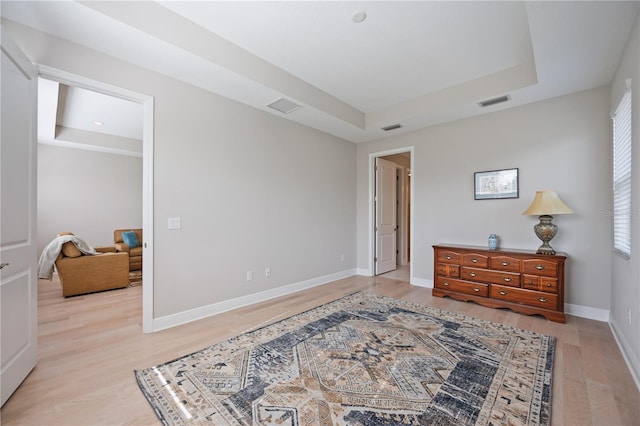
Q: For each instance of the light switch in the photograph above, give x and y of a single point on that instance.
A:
(174, 223)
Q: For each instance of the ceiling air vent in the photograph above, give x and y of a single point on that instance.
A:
(284, 105)
(392, 127)
(494, 101)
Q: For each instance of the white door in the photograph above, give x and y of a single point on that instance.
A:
(18, 249)
(386, 221)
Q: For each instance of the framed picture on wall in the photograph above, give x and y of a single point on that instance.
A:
(496, 184)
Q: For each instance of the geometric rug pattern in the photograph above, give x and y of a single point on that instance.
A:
(364, 359)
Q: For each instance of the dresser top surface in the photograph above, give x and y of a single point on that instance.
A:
(497, 251)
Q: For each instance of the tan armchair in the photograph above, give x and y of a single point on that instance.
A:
(87, 274)
(135, 254)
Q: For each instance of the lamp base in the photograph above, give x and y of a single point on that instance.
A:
(546, 250)
(545, 230)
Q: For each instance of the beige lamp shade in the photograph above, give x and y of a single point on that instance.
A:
(547, 203)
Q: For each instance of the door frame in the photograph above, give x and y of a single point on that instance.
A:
(403, 223)
(386, 195)
(147, 102)
(372, 221)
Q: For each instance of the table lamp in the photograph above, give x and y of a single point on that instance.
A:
(546, 204)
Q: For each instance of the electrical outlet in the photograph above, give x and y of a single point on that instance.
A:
(267, 272)
(629, 315)
(249, 275)
(342, 258)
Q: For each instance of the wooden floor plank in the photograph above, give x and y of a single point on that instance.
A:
(90, 345)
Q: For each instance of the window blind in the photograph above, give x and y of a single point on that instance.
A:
(622, 176)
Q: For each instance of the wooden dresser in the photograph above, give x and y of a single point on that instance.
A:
(520, 280)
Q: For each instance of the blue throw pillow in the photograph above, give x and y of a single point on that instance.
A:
(131, 239)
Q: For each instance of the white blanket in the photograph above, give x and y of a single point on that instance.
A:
(52, 250)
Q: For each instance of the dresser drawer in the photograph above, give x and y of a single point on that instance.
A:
(448, 270)
(477, 289)
(446, 256)
(475, 259)
(521, 280)
(540, 267)
(525, 297)
(494, 277)
(535, 282)
(505, 263)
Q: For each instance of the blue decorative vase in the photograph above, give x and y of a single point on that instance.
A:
(493, 242)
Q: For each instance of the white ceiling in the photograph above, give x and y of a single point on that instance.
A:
(416, 63)
(95, 112)
(86, 110)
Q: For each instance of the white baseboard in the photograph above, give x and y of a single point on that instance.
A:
(590, 313)
(422, 282)
(587, 312)
(184, 317)
(629, 357)
(227, 305)
(364, 272)
(576, 310)
(569, 309)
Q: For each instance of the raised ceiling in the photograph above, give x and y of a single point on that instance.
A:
(94, 112)
(411, 63)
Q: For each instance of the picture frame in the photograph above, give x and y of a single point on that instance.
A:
(496, 184)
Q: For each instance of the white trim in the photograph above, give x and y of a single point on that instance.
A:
(587, 312)
(87, 147)
(627, 353)
(401, 194)
(422, 282)
(239, 302)
(147, 170)
(147, 214)
(70, 79)
(15, 54)
(370, 232)
(364, 272)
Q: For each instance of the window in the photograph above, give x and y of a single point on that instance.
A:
(622, 176)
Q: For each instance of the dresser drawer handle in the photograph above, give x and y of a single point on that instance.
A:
(474, 260)
(543, 300)
(507, 279)
(503, 293)
(476, 289)
(549, 285)
(472, 274)
(447, 257)
(505, 263)
(530, 283)
(539, 267)
(445, 283)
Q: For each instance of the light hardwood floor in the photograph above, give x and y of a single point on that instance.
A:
(401, 273)
(89, 346)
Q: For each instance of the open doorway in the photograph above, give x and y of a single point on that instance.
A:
(121, 153)
(89, 163)
(391, 209)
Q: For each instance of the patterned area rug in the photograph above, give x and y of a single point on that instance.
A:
(363, 359)
(135, 278)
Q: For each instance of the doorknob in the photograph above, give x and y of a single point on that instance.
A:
(3, 264)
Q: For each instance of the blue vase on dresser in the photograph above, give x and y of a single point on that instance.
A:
(493, 241)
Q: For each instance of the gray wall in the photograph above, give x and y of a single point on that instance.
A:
(88, 193)
(562, 144)
(253, 190)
